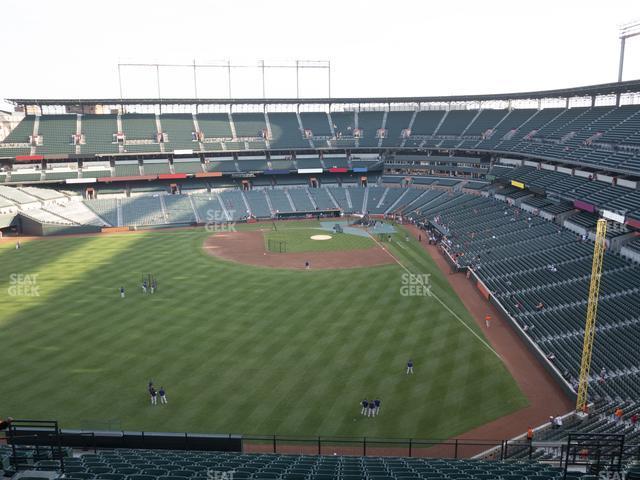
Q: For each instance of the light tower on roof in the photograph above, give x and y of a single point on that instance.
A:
(628, 30)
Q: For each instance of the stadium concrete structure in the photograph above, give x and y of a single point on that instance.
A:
(514, 183)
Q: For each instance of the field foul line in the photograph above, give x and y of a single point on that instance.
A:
(455, 315)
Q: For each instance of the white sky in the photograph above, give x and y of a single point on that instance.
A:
(68, 48)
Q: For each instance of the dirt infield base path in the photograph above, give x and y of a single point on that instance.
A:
(249, 248)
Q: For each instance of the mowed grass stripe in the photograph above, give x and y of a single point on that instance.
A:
(240, 349)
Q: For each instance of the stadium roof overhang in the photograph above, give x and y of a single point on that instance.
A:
(618, 88)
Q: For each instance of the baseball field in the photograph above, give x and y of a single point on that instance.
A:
(240, 348)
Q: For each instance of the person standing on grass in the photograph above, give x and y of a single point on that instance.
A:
(365, 406)
(153, 394)
(121, 292)
(410, 367)
(163, 395)
(372, 410)
(306, 265)
(377, 402)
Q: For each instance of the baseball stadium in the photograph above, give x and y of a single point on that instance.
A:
(361, 288)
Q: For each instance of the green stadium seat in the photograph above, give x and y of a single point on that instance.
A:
(141, 477)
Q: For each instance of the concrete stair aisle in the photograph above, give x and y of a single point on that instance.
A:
(195, 210)
(471, 122)
(495, 127)
(159, 129)
(384, 126)
(444, 117)
(271, 209)
(512, 133)
(313, 202)
(333, 200)
(196, 127)
(355, 125)
(233, 127)
(365, 199)
(119, 215)
(267, 140)
(333, 130)
(120, 129)
(346, 192)
(399, 200)
(163, 207)
(301, 126)
(410, 126)
(36, 128)
(381, 202)
(246, 202)
(286, 193)
(224, 209)
(78, 133)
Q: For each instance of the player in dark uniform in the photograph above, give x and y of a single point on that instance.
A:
(365, 406)
(153, 394)
(163, 396)
(409, 366)
(377, 402)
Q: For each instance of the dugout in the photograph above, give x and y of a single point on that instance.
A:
(329, 213)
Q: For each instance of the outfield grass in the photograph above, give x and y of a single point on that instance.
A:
(240, 349)
(299, 240)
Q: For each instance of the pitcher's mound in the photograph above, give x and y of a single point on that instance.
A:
(249, 248)
(320, 237)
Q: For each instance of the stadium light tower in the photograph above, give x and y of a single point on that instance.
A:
(627, 30)
(592, 310)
